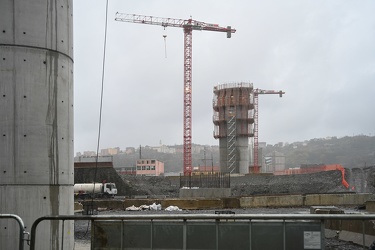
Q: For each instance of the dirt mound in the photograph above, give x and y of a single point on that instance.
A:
(321, 182)
(150, 186)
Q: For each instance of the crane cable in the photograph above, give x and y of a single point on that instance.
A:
(100, 109)
(165, 44)
(102, 90)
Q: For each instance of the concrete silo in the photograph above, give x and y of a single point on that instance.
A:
(36, 119)
(233, 120)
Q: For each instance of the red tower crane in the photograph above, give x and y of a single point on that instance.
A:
(258, 92)
(188, 25)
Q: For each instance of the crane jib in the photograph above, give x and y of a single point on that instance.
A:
(188, 25)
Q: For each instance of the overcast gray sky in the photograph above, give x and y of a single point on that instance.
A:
(320, 52)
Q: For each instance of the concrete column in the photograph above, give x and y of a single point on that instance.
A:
(243, 154)
(223, 154)
(36, 119)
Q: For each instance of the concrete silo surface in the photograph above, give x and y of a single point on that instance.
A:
(233, 119)
(36, 100)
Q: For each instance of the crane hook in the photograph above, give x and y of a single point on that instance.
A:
(165, 45)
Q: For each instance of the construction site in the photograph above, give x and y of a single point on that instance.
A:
(240, 205)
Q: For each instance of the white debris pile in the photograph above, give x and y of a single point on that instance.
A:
(173, 208)
(154, 207)
(133, 208)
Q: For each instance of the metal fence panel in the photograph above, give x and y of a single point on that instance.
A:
(223, 235)
(266, 235)
(301, 235)
(136, 235)
(201, 236)
(107, 235)
(167, 236)
(234, 235)
(207, 231)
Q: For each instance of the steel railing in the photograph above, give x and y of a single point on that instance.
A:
(22, 232)
(209, 217)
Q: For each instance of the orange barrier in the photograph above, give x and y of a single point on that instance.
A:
(314, 169)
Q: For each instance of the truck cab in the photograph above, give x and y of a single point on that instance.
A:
(109, 189)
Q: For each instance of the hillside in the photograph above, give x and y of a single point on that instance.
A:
(351, 152)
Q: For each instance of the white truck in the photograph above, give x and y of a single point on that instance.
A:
(95, 190)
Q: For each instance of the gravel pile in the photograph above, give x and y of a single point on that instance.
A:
(322, 182)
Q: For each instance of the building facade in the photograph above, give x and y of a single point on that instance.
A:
(273, 162)
(149, 167)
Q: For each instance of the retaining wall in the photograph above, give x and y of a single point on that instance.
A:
(305, 200)
(272, 201)
(245, 202)
(337, 199)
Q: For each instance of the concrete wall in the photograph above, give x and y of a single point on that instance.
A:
(36, 125)
(370, 206)
(305, 200)
(272, 201)
(223, 154)
(337, 199)
(236, 203)
(243, 154)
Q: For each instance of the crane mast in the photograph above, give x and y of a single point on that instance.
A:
(188, 26)
(258, 92)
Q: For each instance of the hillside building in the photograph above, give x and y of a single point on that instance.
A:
(149, 167)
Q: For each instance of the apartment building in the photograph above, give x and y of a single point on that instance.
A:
(149, 167)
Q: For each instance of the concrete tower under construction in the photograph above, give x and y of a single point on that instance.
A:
(233, 119)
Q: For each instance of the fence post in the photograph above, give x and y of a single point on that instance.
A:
(20, 223)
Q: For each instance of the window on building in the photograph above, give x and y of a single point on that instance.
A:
(148, 168)
(143, 167)
(152, 167)
(153, 161)
(139, 168)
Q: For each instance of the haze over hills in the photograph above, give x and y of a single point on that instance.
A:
(349, 151)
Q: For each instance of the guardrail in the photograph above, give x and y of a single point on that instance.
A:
(249, 218)
(22, 232)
